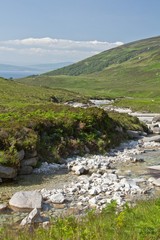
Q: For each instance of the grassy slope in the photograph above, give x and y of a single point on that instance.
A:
(131, 70)
(18, 93)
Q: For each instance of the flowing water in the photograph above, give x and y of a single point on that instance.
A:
(139, 169)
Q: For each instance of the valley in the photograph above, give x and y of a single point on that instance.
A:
(83, 138)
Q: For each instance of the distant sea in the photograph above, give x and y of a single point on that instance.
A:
(17, 74)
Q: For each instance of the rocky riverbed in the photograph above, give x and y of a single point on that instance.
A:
(82, 183)
(87, 182)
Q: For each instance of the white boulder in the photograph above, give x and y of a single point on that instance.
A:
(26, 199)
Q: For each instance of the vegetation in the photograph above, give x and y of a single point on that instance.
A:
(131, 70)
(30, 121)
(139, 223)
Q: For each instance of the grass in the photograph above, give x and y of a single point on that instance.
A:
(133, 223)
(140, 104)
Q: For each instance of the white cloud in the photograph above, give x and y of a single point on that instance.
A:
(6, 49)
(41, 50)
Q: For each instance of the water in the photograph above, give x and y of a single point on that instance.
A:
(17, 74)
(140, 169)
(34, 182)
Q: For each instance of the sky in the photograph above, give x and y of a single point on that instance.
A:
(51, 31)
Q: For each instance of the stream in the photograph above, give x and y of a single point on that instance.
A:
(63, 177)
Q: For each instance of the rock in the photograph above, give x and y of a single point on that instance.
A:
(151, 179)
(156, 119)
(46, 207)
(154, 169)
(59, 206)
(79, 169)
(31, 154)
(25, 170)
(133, 134)
(46, 224)
(152, 139)
(117, 198)
(93, 202)
(136, 160)
(21, 155)
(30, 162)
(93, 191)
(57, 198)
(147, 190)
(45, 193)
(26, 200)
(156, 182)
(132, 184)
(3, 206)
(156, 130)
(33, 217)
(7, 172)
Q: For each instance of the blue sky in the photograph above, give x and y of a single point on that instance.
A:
(100, 24)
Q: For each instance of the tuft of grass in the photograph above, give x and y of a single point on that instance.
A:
(139, 223)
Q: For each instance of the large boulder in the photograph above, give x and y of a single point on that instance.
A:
(26, 200)
(7, 172)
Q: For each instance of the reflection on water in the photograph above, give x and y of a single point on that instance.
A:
(139, 169)
(36, 181)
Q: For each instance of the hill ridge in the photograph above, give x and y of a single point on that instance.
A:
(84, 66)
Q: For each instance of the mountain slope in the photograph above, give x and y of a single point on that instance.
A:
(131, 70)
(139, 52)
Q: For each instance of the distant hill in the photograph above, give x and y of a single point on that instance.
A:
(12, 71)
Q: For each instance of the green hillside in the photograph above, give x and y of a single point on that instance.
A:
(15, 93)
(131, 70)
(139, 53)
